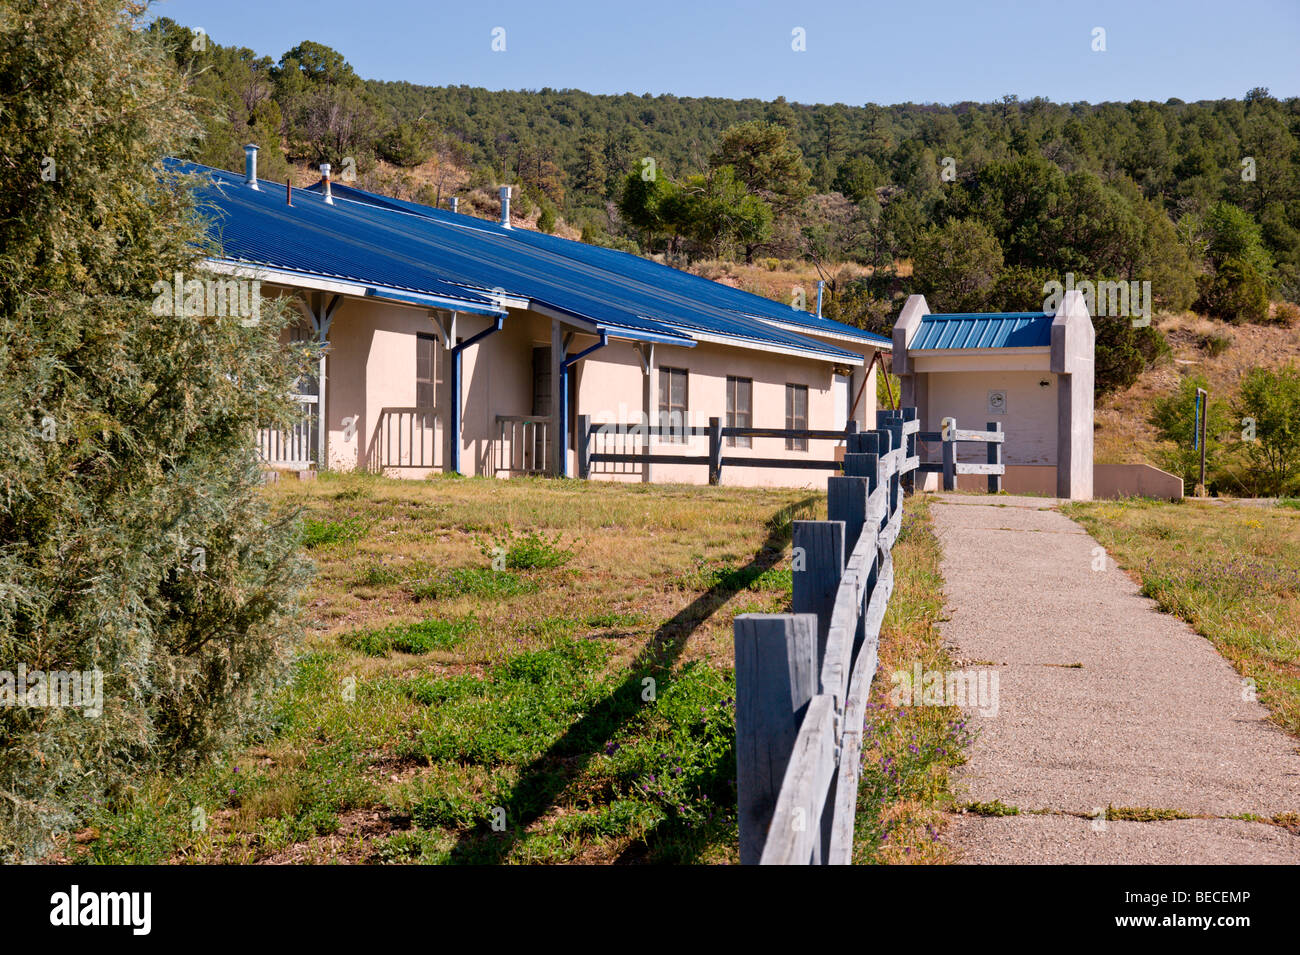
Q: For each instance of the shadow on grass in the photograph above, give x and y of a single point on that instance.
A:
(544, 779)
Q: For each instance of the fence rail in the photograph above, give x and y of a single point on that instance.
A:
(803, 679)
(950, 467)
(715, 460)
(522, 444)
(405, 438)
(295, 447)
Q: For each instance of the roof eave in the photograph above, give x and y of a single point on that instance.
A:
(339, 286)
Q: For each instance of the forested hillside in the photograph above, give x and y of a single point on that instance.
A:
(987, 202)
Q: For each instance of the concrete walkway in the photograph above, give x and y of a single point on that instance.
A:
(1103, 701)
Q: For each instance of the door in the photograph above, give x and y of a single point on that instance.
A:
(841, 401)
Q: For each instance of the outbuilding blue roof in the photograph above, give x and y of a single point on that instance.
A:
(983, 330)
(426, 252)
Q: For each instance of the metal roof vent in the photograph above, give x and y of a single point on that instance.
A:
(250, 165)
(325, 178)
(505, 207)
(455, 201)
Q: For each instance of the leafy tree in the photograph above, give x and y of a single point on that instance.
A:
(312, 65)
(1234, 292)
(715, 209)
(407, 144)
(857, 179)
(134, 539)
(1174, 418)
(1272, 400)
(956, 265)
(590, 173)
(767, 161)
(1123, 352)
(648, 205)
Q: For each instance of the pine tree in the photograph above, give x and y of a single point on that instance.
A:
(134, 540)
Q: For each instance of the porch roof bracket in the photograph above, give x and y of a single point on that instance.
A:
(564, 396)
(456, 353)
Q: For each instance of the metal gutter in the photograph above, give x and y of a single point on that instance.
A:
(456, 389)
(564, 397)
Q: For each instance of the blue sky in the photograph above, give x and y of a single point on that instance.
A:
(856, 52)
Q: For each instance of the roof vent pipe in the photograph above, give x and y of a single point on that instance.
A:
(455, 201)
(250, 165)
(505, 207)
(325, 178)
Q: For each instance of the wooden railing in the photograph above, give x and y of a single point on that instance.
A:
(803, 679)
(522, 444)
(295, 448)
(405, 438)
(950, 467)
(715, 460)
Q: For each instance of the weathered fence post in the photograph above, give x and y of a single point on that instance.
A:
(584, 449)
(820, 546)
(909, 451)
(846, 501)
(995, 457)
(776, 676)
(949, 435)
(715, 450)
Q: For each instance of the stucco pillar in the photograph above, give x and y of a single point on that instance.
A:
(1073, 343)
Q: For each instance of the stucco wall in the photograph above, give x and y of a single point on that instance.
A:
(372, 366)
(612, 389)
(1029, 422)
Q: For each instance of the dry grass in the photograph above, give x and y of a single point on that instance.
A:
(1123, 434)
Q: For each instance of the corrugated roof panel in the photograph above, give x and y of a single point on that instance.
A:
(458, 256)
(983, 330)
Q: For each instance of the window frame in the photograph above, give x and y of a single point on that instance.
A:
(734, 414)
(792, 418)
(675, 432)
(431, 382)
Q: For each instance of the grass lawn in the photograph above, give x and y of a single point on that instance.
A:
(531, 671)
(1232, 572)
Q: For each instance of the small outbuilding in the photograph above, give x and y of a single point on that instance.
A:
(1031, 372)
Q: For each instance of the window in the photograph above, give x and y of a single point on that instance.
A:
(426, 358)
(740, 408)
(672, 403)
(796, 415)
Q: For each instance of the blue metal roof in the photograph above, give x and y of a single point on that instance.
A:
(983, 330)
(258, 228)
(462, 261)
(683, 287)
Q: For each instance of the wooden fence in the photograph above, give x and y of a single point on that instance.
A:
(405, 438)
(716, 460)
(295, 448)
(522, 444)
(950, 467)
(803, 678)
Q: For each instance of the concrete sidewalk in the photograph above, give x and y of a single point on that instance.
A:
(1103, 702)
